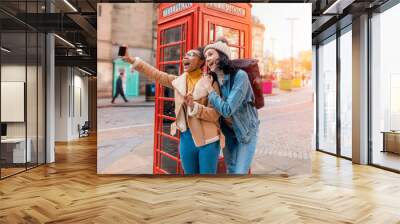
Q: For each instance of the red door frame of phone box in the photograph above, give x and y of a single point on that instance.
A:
(198, 18)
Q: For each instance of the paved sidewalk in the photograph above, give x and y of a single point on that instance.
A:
(139, 101)
(126, 135)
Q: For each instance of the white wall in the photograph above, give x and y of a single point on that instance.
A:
(70, 83)
(62, 82)
(79, 117)
(13, 73)
(16, 73)
(12, 101)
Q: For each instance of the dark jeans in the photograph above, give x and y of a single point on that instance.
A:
(119, 92)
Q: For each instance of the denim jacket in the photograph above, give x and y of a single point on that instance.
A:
(236, 103)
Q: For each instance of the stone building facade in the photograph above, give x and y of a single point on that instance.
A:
(134, 25)
(258, 30)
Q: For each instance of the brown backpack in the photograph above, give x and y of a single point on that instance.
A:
(250, 66)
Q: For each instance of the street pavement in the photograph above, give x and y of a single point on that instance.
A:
(126, 135)
(285, 140)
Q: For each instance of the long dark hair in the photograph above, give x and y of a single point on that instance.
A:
(225, 64)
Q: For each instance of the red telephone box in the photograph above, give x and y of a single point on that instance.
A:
(181, 27)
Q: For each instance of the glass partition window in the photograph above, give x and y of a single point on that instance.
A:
(327, 96)
(346, 94)
(385, 89)
(15, 149)
(22, 78)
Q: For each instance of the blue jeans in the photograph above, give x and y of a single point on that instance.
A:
(198, 160)
(238, 156)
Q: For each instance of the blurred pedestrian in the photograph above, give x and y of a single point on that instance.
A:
(119, 89)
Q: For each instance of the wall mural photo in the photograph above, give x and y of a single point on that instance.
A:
(204, 88)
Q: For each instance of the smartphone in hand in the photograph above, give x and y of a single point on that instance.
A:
(122, 51)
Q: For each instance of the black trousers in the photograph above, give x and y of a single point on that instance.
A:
(119, 92)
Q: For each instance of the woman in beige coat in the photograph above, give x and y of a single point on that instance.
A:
(201, 138)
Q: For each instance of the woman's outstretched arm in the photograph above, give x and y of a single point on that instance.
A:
(151, 72)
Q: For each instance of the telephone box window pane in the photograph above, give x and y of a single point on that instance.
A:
(168, 164)
(231, 35)
(184, 32)
(168, 108)
(166, 127)
(160, 55)
(211, 35)
(168, 92)
(241, 53)
(169, 146)
(242, 39)
(172, 53)
(171, 35)
(183, 50)
(171, 69)
(234, 52)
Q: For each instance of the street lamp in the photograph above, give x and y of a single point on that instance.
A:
(291, 20)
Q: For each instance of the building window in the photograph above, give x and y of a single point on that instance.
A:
(327, 96)
(346, 94)
(385, 89)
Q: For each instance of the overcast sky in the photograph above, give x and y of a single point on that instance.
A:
(275, 18)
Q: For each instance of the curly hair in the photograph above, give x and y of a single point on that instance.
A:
(202, 56)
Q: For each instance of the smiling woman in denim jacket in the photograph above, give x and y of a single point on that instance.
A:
(239, 121)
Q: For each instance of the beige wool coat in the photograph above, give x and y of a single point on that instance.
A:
(202, 119)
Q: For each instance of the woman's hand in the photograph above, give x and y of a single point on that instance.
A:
(128, 58)
(189, 100)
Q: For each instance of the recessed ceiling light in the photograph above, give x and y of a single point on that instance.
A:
(64, 40)
(5, 49)
(86, 72)
(70, 5)
(338, 6)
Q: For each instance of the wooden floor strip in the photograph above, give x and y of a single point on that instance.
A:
(70, 191)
